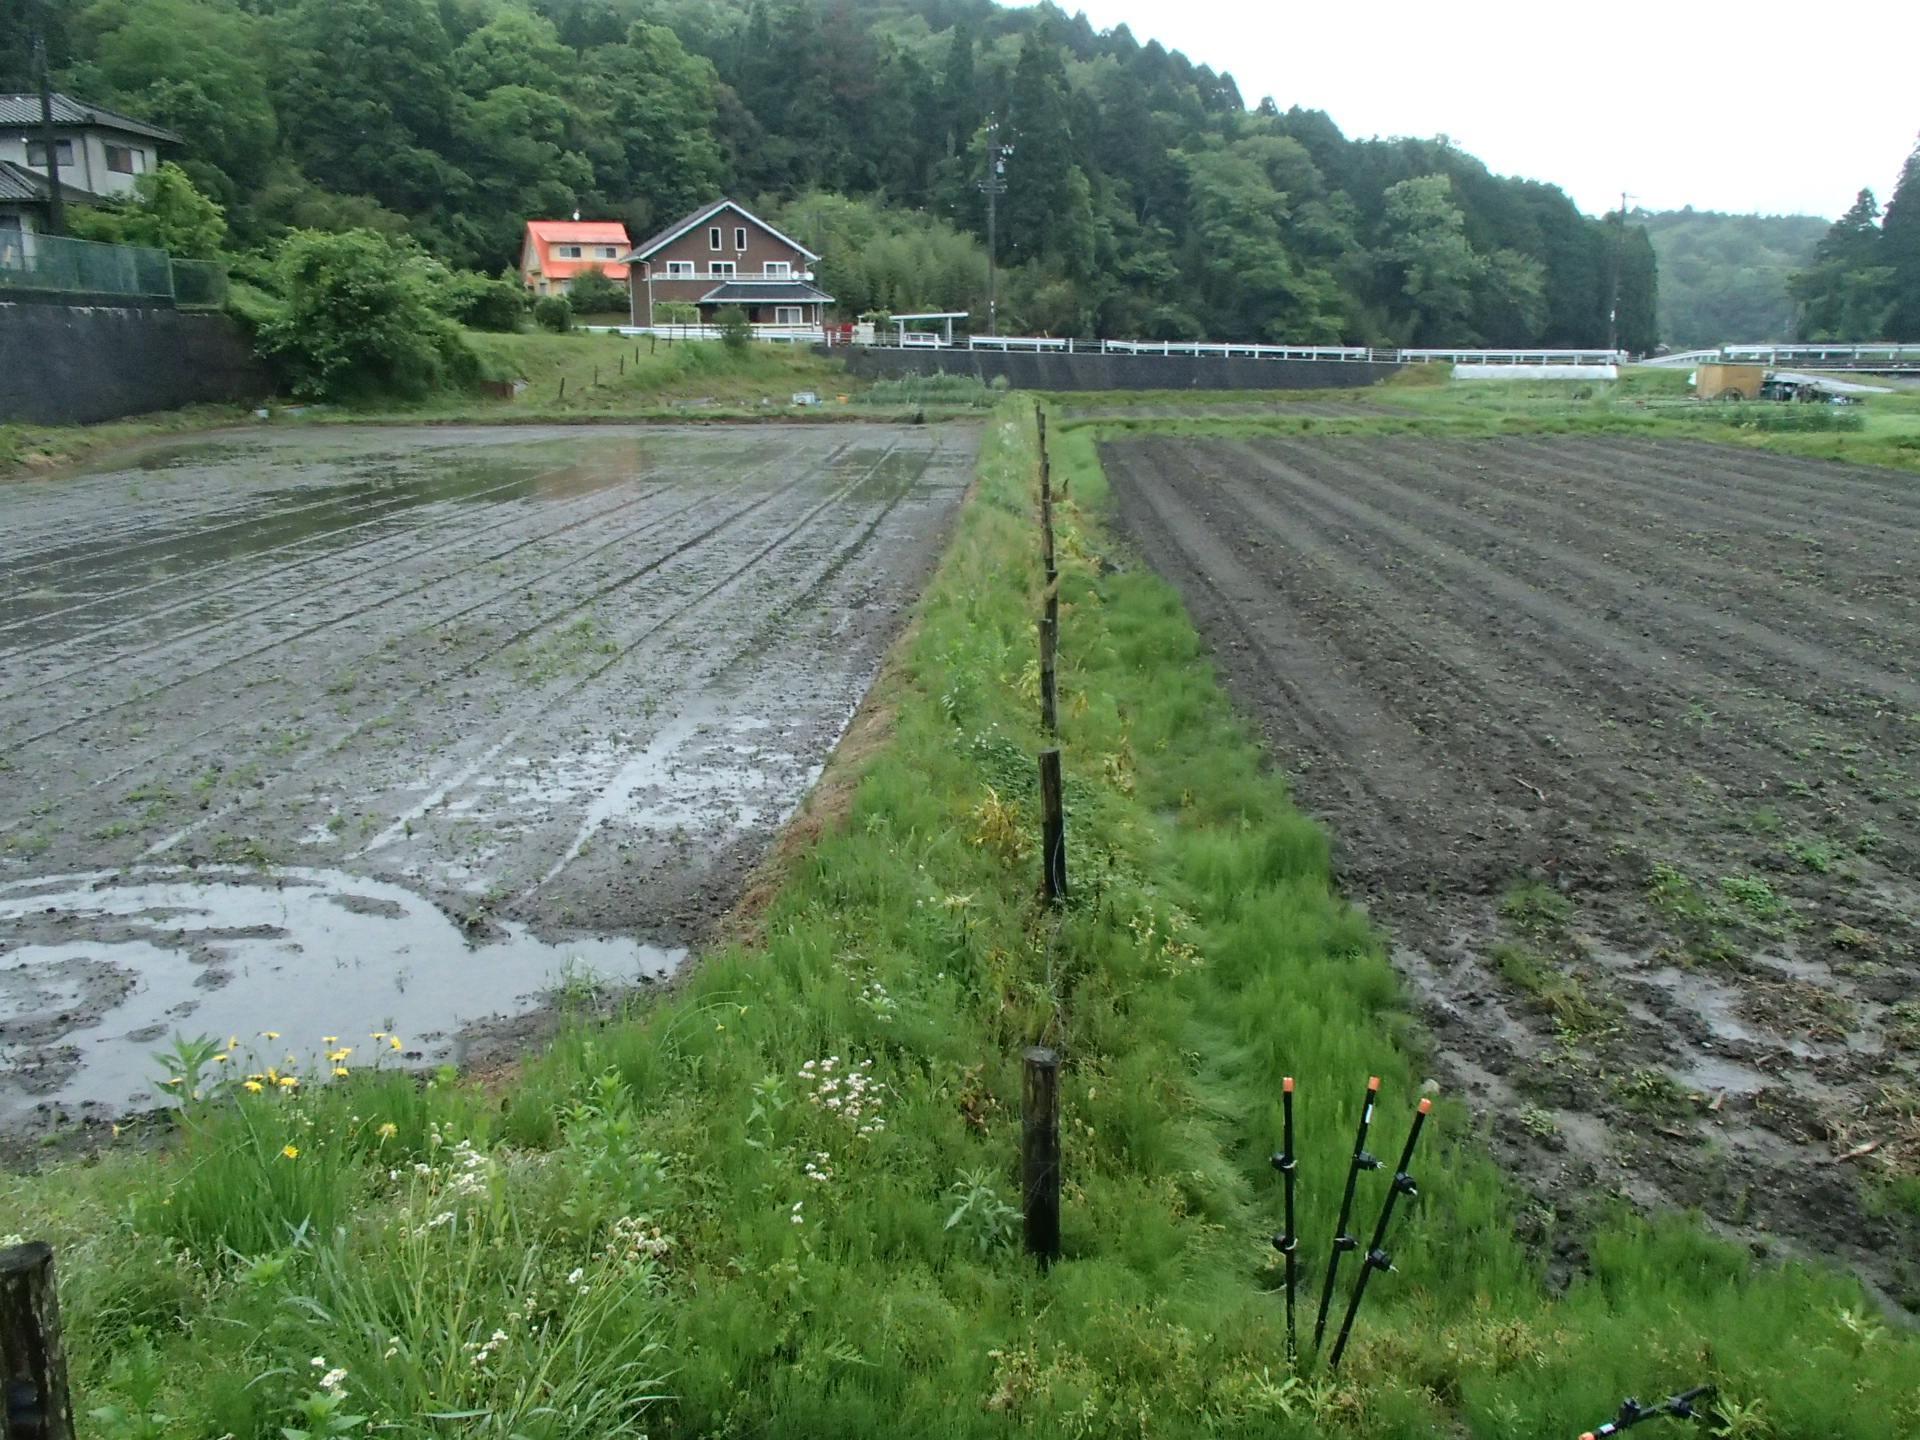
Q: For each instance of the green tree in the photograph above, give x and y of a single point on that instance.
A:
(593, 292)
(1847, 293)
(1426, 236)
(165, 212)
(195, 66)
(1900, 253)
(656, 106)
(366, 99)
(736, 331)
(357, 320)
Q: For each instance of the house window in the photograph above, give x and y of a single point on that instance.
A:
(124, 159)
(567, 252)
(605, 252)
(786, 315)
(713, 238)
(679, 268)
(721, 267)
(37, 153)
(739, 237)
(776, 269)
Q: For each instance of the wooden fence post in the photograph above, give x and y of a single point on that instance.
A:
(1040, 1152)
(1049, 677)
(1053, 827)
(33, 1364)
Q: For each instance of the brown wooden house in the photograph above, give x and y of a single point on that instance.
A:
(722, 254)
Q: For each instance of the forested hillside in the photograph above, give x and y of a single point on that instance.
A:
(1144, 196)
(1864, 281)
(1723, 278)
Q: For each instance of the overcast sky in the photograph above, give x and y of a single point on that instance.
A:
(1777, 106)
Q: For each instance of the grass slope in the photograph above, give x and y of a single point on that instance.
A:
(702, 1202)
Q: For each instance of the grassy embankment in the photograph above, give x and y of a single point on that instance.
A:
(1883, 430)
(674, 1205)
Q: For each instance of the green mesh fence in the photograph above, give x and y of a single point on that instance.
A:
(31, 261)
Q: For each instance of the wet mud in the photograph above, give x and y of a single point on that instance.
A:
(400, 730)
(1619, 743)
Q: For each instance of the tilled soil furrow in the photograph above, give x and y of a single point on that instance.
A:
(1722, 566)
(546, 700)
(1599, 587)
(259, 639)
(1637, 813)
(308, 551)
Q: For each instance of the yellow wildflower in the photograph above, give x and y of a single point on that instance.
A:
(394, 1041)
(389, 1130)
(255, 1086)
(292, 1152)
(329, 1039)
(287, 1082)
(271, 1034)
(339, 1069)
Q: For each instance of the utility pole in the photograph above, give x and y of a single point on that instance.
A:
(56, 210)
(1619, 264)
(994, 186)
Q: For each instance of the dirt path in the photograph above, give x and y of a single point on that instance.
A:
(390, 729)
(1618, 741)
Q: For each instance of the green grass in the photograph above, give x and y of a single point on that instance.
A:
(770, 1263)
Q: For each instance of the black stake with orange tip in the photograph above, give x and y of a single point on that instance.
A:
(1342, 1241)
(1288, 1242)
(1632, 1412)
(1377, 1257)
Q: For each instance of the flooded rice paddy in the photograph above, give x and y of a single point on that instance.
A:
(329, 732)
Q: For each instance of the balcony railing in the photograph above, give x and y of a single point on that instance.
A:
(57, 264)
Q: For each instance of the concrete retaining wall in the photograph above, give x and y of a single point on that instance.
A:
(1042, 370)
(67, 364)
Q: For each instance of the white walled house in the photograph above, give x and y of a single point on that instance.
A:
(101, 153)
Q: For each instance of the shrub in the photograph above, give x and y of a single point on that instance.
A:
(165, 212)
(553, 312)
(357, 320)
(593, 293)
(481, 303)
(735, 329)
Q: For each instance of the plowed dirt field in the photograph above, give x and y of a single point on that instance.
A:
(1619, 741)
(324, 732)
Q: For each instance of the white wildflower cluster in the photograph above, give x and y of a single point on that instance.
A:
(334, 1381)
(849, 1092)
(636, 1239)
(795, 1214)
(881, 1005)
(818, 1169)
(482, 1351)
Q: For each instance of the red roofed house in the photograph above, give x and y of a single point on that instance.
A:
(557, 250)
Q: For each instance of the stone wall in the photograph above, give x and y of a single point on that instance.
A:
(68, 364)
(1043, 370)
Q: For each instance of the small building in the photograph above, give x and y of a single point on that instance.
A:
(556, 251)
(100, 154)
(723, 254)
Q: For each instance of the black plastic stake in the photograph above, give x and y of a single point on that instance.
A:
(33, 1363)
(1342, 1241)
(1287, 1242)
(1377, 1257)
(1053, 828)
(1040, 1152)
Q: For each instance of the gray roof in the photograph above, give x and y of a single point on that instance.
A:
(18, 110)
(765, 292)
(687, 222)
(18, 184)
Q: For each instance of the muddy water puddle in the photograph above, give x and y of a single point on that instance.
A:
(307, 954)
(317, 731)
